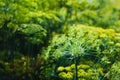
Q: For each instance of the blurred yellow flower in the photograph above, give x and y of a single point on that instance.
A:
(117, 38)
(69, 75)
(81, 79)
(62, 75)
(73, 66)
(61, 68)
(83, 66)
(117, 44)
(81, 73)
(68, 68)
(111, 42)
(103, 35)
(90, 70)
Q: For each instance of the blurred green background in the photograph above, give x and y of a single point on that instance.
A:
(59, 39)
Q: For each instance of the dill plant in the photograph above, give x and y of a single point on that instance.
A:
(100, 47)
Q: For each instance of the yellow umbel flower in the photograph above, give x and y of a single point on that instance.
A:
(61, 68)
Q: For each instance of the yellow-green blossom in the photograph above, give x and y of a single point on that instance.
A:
(69, 75)
(111, 43)
(117, 44)
(61, 68)
(103, 35)
(83, 66)
(62, 75)
(68, 68)
(73, 66)
(81, 73)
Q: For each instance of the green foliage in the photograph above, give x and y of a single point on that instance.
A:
(80, 42)
(33, 33)
(28, 26)
(28, 21)
(89, 12)
(22, 67)
(81, 39)
(114, 73)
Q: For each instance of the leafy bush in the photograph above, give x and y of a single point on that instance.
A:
(81, 39)
(22, 67)
(26, 26)
(81, 43)
(114, 73)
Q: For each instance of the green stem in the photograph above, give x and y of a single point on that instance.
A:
(76, 69)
